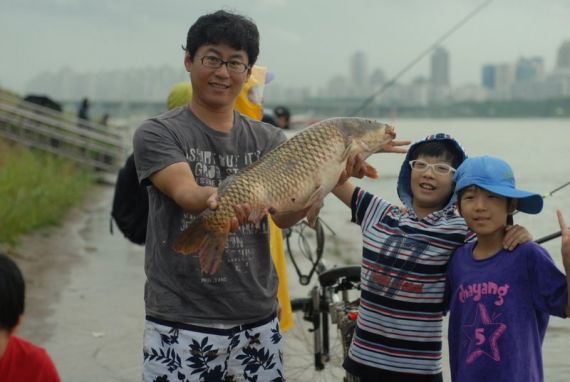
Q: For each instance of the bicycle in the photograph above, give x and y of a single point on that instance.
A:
(312, 351)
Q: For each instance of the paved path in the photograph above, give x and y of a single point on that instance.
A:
(85, 300)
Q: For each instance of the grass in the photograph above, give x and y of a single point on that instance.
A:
(36, 190)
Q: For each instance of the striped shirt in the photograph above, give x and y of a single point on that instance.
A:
(404, 265)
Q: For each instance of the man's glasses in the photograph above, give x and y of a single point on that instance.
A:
(438, 168)
(216, 63)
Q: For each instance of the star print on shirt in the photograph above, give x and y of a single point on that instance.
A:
(482, 336)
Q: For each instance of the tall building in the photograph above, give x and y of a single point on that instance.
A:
(503, 76)
(564, 55)
(528, 79)
(498, 80)
(529, 69)
(440, 67)
(359, 72)
(488, 76)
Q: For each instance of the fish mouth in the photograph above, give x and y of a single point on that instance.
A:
(391, 131)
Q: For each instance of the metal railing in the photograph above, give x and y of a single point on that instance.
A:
(88, 143)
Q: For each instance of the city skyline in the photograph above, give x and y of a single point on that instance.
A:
(360, 80)
(303, 44)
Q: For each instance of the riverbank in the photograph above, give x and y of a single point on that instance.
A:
(37, 189)
(85, 298)
(85, 294)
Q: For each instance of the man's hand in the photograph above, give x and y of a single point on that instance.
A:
(242, 211)
(357, 167)
(515, 235)
(395, 147)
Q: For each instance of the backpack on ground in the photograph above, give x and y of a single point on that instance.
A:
(130, 204)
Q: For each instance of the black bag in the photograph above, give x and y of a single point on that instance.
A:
(130, 204)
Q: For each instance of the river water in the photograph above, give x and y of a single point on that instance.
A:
(85, 286)
(537, 150)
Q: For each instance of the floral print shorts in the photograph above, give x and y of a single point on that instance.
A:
(181, 352)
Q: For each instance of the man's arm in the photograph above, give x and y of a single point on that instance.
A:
(178, 183)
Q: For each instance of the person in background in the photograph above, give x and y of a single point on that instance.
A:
(500, 300)
(282, 117)
(267, 118)
(180, 95)
(105, 119)
(20, 360)
(201, 326)
(83, 112)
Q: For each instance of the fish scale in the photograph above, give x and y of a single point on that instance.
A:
(294, 176)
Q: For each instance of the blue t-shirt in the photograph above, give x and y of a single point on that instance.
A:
(499, 310)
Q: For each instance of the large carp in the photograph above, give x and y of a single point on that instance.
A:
(296, 175)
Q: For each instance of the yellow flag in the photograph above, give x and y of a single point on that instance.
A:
(250, 99)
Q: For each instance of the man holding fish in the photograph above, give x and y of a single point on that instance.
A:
(212, 315)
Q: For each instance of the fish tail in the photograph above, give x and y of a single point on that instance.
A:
(211, 252)
(190, 240)
(207, 244)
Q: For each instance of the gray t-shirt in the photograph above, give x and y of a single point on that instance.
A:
(244, 288)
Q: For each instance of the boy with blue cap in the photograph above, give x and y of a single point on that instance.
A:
(500, 300)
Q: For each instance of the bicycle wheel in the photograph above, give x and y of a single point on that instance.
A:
(299, 350)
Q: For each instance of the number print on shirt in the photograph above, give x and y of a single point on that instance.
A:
(393, 264)
(482, 335)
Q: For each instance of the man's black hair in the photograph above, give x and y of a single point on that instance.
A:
(444, 149)
(12, 292)
(223, 27)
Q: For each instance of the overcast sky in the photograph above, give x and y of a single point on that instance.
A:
(303, 42)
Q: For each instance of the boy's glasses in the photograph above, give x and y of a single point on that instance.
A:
(438, 168)
(214, 62)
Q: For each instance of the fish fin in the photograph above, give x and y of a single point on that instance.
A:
(313, 214)
(257, 216)
(190, 240)
(347, 151)
(211, 252)
(315, 203)
(370, 171)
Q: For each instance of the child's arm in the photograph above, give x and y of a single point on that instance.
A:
(565, 250)
(515, 235)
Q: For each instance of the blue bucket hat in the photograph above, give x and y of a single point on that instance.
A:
(496, 176)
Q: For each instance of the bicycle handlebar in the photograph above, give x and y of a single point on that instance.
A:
(331, 276)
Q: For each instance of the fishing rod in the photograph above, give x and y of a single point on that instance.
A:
(554, 235)
(546, 238)
(394, 79)
(544, 196)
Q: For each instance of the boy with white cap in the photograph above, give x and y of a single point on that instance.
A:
(500, 302)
